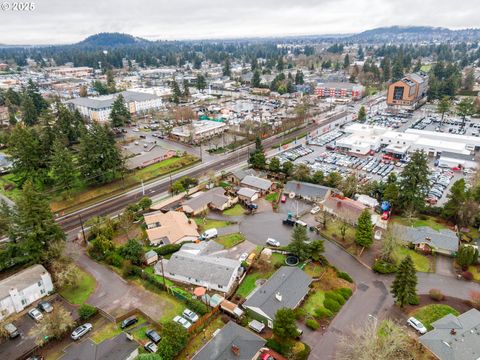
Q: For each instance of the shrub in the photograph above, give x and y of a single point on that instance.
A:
(384, 267)
(331, 305)
(322, 313)
(345, 292)
(343, 275)
(323, 260)
(302, 355)
(467, 275)
(168, 249)
(414, 300)
(114, 259)
(312, 324)
(197, 306)
(436, 295)
(87, 311)
(282, 348)
(332, 295)
(299, 313)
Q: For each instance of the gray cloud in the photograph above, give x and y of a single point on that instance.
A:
(62, 21)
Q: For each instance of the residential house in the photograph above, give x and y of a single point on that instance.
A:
(170, 228)
(23, 288)
(307, 191)
(118, 348)
(232, 342)
(287, 287)
(235, 177)
(154, 155)
(247, 195)
(196, 265)
(214, 198)
(443, 241)
(263, 186)
(455, 337)
(347, 210)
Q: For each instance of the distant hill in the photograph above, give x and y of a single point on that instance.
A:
(111, 39)
(414, 34)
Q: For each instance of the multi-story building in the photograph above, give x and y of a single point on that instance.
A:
(198, 131)
(81, 71)
(23, 288)
(340, 90)
(98, 108)
(408, 93)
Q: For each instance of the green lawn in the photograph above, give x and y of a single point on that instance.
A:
(110, 330)
(314, 301)
(248, 284)
(426, 68)
(272, 197)
(430, 222)
(236, 210)
(139, 334)
(230, 240)
(205, 224)
(277, 259)
(421, 262)
(431, 313)
(150, 270)
(79, 293)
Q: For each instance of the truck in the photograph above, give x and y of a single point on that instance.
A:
(209, 234)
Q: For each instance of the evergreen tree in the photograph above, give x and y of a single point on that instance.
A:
(119, 115)
(201, 82)
(101, 160)
(287, 168)
(257, 158)
(456, 200)
(364, 230)
(397, 70)
(346, 61)
(68, 125)
(29, 112)
(404, 286)
(274, 164)
(391, 191)
(444, 106)
(32, 92)
(62, 169)
(227, 71)
(186, 90)
(284, 324)
(299, 78)
(466, 108)
(176, 93)
(362, 114)
(414, 183)
(467, 255)
(256, 79)
(299, 245)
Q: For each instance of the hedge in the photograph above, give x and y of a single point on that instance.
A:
(168, 249)
(384, 267)
(343, 275)
(345, 292)
(282, 348)
(87, 311)
(197, 306)
(333, 295)
(331, 305)
(322, 313)
(312, 324)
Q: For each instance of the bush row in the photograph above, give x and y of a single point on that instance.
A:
(384, 267)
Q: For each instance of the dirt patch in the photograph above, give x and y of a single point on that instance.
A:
(329, 280)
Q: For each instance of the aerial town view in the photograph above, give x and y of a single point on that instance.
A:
(220, 180)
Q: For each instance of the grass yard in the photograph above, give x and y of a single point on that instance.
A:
(474, 269)
(110, 330)
(230, 240)
(431, 313)
(314, 270)
(87, 195)
(422, 263)
(79, 293)
(277, 259)
(429, 221)
(314, 301)
(236, 210)
(139, 334)
(272, 197)
(151, 271)
(333, 232)
(198, 341)
(248, 284)
(205, 224)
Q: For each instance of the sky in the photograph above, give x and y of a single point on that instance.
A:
(70, 21)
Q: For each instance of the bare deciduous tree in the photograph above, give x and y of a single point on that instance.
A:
(53, 325)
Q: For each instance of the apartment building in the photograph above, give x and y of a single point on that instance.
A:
(409, 92)
(340, 90)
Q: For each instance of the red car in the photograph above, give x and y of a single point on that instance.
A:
(283, 199)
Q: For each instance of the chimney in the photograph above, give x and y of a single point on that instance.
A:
(235, 350)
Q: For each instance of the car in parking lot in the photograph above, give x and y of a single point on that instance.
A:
(153, 335)
(272, 242)
(243, 257)
(35, 314)
(81, 330)
(11, 330)
(182, 321)
(315, 210)
(128, 322)
(417, 325)
(151, 347)
(190, 315)
(45, 306)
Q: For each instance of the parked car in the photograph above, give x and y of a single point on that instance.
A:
(81, 330)
(45, 306)
(11, 330)
(209, 234)
(272, 242)
(243, 257)
(315, 210)
(417, 325)
(128, 322)
(35, 314)
(190, 315)
(184, 322)
(153, 335)
(151, 347)
(283, 199)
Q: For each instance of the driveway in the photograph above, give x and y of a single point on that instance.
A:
(116, 296)
(444, 265)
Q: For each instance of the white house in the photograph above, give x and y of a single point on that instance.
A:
(23, 288)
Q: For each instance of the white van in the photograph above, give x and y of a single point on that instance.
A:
(209, 234)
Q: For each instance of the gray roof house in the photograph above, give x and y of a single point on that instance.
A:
(117, 348)
(444, 241)
(232, 342)
(200, 269)
(256, 183)
(307, 191)
(286, 288)
(455, 337)
(213, 198)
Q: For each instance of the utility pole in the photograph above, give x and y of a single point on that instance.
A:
(81, 225)
(163, 274)
(171, 189)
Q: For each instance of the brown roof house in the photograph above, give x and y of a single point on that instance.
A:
(214, 198)
(170, 228)
(347, 209)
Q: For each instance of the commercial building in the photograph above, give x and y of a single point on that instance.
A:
(68, 71)
(23, 288)
(198, 131)
(99, 108)
(408, 93)
(340, 90)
